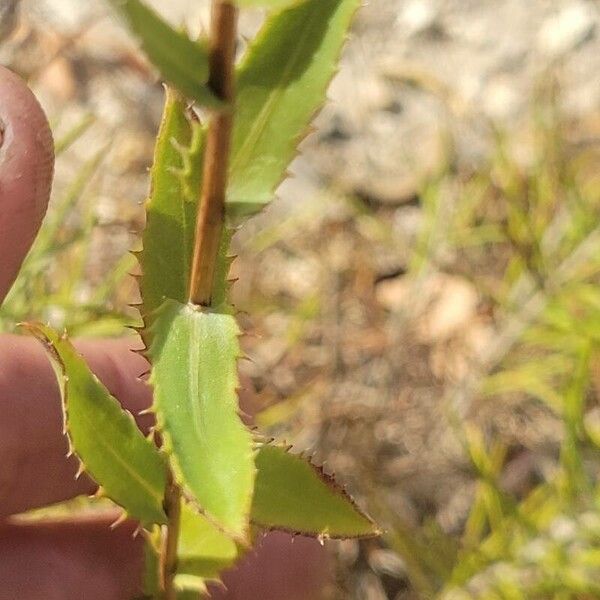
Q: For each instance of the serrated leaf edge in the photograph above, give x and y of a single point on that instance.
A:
(242, 539)
(37, 330)
(256, 208)
(330, 481)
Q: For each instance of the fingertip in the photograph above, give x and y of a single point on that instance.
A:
(33, 447)
(26, 169)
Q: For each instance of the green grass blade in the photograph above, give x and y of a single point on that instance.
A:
(49, 242)
(127, 466)
(293, 495)
(180, 61)
(194, 355)
(281, 83)
(64, 142)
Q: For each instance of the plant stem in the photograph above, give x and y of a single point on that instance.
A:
(209, 227)
(211, 212)
(168, 554)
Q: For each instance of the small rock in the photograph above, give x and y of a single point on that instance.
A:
(453, 307)
(387, 562)
(408, 222)
(563, 529)
(448, 303)
(377, 95)
(348, 551)
(502, 98)
(566, 30)
(67, 16)
(392, 293)
(418, 16)
(58, 79)
(369, 588)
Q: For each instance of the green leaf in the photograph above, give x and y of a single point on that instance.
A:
(168, 239)
(280, 86)
(127, 466)
(203, 551)
(293, 495)
(180, 61)
(194, 353)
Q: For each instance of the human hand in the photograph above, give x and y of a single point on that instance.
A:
(81, 559)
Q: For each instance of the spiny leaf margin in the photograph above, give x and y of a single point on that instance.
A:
(171, 209)
(279, 90)
(194, 353)
(105, 437)
(292, 494)
(168, 238)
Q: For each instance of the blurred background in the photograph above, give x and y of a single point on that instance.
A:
(422, 299)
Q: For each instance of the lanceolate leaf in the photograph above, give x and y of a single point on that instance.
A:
(180, 61)
(281, 83)
(194, 353)
(105, 437)
(294, 495)
(168, 238)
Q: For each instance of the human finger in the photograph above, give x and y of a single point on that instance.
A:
(35, 471)
(279, 567)
(70, 560)
(85, 558)
(26, 168)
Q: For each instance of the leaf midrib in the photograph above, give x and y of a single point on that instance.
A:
(263, 116)
(143, 482)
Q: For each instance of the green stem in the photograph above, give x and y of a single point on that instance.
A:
(168, 555)
(209, 228)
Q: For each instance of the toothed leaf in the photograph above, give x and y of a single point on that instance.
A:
(180, 61)
(194, 354)
(203, 551)
(280, 86)
(105, 437)
(294, 495)
(168, 238)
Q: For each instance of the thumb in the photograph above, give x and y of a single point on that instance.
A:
(26, 168)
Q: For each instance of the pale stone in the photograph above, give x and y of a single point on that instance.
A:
(567, 29)
(418, 16)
